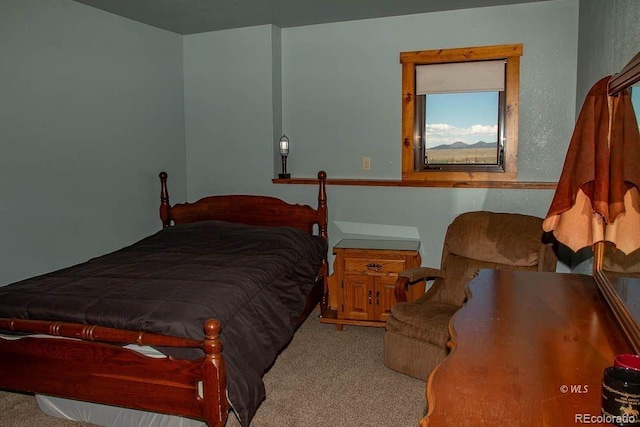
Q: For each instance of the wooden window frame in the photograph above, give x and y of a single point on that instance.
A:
(511, 53)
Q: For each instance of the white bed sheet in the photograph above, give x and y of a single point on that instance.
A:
(110, 416)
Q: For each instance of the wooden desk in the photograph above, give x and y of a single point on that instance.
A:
(528, 349)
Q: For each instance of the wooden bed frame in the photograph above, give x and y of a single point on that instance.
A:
(93, 366)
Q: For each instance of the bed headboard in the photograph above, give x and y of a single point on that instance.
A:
(246, 209)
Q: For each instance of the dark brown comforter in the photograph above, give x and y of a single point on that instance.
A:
(254, 280)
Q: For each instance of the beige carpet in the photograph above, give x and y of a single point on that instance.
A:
(21, 410)
(323, 378)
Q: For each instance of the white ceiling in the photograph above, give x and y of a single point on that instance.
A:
(197, 16)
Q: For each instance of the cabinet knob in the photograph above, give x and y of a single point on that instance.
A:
(370, 298)
(373, 266)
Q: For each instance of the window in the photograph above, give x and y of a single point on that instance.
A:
(460, 113)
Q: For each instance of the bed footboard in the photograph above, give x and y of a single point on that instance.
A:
(88, 363)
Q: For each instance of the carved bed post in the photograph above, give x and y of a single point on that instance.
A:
(216, 405)
(322, 204)
(165, 208)
(322, 231)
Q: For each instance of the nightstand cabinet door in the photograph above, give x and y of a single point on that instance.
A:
(384, 296)
(358, 297)
(368, 297)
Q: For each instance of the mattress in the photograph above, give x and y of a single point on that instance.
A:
(112, 416)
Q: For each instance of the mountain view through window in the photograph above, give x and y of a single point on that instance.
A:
(462, 128)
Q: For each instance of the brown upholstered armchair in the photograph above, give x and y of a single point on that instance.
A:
(417, 333)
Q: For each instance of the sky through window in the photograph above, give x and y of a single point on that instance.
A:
(461, 117)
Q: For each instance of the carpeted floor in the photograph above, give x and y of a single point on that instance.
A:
(21, 410)
(323, 378)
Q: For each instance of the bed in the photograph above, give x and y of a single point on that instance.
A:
(237, 272)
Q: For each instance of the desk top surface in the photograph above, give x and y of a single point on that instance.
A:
(529, 348)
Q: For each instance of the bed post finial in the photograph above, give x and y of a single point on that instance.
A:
(322, 231)
(165, 208)
(214, 368)
(322, 204)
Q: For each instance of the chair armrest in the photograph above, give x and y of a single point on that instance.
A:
(421, 273)
(411, 276)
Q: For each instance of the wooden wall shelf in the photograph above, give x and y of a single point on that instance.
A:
(516, 185)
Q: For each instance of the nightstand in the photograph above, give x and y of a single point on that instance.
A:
(366, 271)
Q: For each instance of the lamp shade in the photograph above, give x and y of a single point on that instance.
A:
(284, 145)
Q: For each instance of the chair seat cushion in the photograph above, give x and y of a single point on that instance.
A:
(423, 320)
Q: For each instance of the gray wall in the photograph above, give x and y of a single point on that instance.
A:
(91, 109)
(94, 105)
(229, 110)
(609, 38)
(342, 84)
(341, 101)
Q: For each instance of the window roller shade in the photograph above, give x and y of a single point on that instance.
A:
(473, 76)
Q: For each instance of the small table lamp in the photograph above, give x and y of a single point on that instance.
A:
(284, 152)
